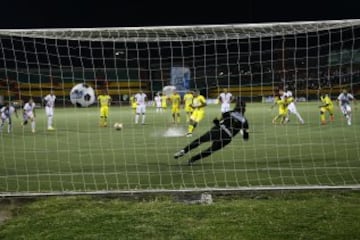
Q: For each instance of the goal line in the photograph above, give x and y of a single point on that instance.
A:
(236, 191)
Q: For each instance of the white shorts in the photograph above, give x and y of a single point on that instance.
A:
(158, 104)
(140, 109)
(345, 108)
(49, 111)
(28, 115)
(292, 108)
(225, 107)
(3, 117)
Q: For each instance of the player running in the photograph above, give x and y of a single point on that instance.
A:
(140, 99)
(198, 114)
(344, 100)
(225, 98)
(104, 100)
(187, 101)
(326, 106)
(29, 114)
(49, 109)
(157, 100)
(281, 101)
(292, 107)
(133, 103)
(5, 115)
(221, 134)
(175, 100)
(163, 101)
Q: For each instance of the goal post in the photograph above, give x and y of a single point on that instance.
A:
(251, 61)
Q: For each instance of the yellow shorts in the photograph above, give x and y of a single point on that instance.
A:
(104, 111)
(327, 109)
(197, 115)
(283, 111)
(175, 109)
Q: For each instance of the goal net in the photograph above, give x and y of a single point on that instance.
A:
(77, 149)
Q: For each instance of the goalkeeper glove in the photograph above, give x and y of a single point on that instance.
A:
(245, 134)
(216, 122)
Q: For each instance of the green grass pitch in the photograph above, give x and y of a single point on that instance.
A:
(81, 156)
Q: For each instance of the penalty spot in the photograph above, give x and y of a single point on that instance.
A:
(174, 132)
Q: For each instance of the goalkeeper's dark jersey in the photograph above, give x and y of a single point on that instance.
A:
(232, 122)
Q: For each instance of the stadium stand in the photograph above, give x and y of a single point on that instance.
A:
(19, 90)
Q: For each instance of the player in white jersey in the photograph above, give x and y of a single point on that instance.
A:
(5, 115)
(157, 100)
(344, 100)
(292, 107)
(29, 114)
(140, 99)
(49, 109)
(225, 98)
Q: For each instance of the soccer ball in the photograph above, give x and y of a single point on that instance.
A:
(118, 126)
(82, 95)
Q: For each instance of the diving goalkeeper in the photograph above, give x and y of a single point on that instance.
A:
(221, 134)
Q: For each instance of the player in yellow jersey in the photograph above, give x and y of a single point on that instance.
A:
(104, 100)
(326, 106)
(133, 103)
(187, 100)
(163, 101)
(281, 101)
(175, 100)
(199, 103)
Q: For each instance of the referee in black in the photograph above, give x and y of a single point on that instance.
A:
(221, 134)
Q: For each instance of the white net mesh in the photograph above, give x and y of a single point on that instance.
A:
(251, 61)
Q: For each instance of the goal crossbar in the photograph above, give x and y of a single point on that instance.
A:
(182, 33)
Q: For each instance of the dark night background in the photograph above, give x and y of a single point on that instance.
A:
(41, 14)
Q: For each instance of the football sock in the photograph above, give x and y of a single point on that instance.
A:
(322, 117)
(299, 117)
(143, 119)
(50, 121)
(192, 127)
